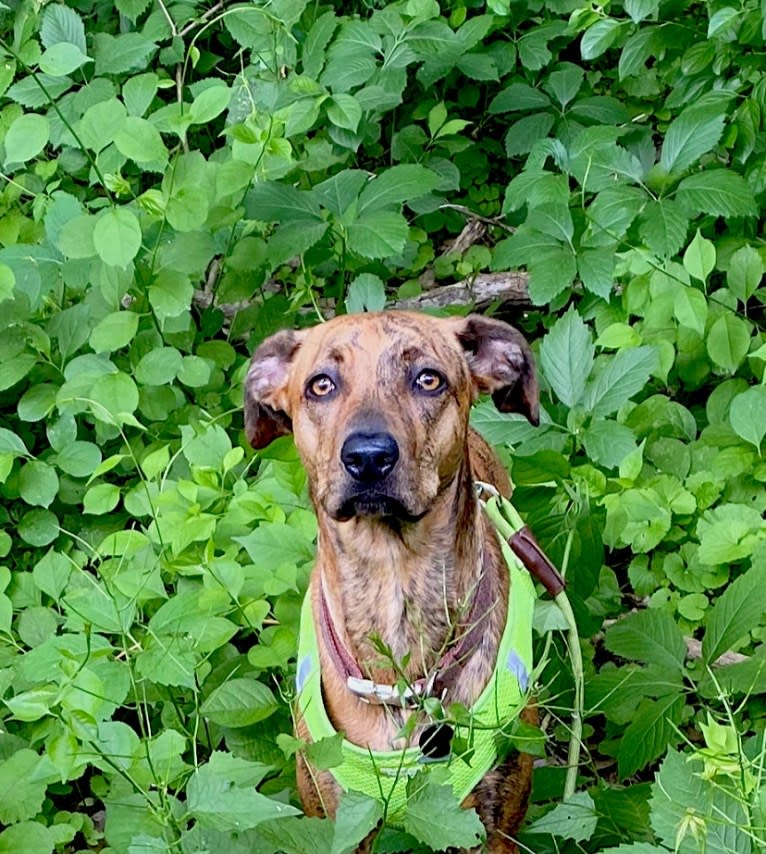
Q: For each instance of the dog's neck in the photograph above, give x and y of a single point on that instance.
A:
(406, 586)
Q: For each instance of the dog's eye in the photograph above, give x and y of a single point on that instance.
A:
(429, 381)
(320, 386)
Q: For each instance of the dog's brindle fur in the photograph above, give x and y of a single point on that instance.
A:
(399, 558)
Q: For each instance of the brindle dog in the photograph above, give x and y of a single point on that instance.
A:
(378, 405)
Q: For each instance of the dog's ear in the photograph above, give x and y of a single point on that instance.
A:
(266, 407)
(501, 363)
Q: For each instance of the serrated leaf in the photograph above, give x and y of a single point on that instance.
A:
(739, 609)
(596, 269)
(378, 234)
(608, 443)
(366, 293)
(239, 702)
(523, 134)
(356, 816)
(693, 133)
(576, 818)
(625, 375)
(649, 734)
(566, 357)
(63, 58)
(117, 237)
(651, 636)
(292, 239)
(599, 37)
(519, 97)
(62, 24)
(613, 210)
(273, 202)
(747, 415)
(455, 826)
(728, 341)
(344, 111)
(397, 185)
(22, 786)
(663, 227)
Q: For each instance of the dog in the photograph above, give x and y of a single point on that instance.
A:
(378, 405)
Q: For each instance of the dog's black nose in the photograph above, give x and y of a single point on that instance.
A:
(369, 457)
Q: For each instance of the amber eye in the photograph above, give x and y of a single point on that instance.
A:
(429, 381)
(320, 386)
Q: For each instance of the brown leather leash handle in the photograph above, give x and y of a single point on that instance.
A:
(528, 551)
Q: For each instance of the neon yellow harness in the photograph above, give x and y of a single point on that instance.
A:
(384, 774)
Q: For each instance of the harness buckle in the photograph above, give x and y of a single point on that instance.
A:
(390, 695)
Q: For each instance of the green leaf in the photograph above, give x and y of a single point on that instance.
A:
(746, 269)
(276, 544)
(121, 53)
(22, 786)
(292, 239)
(747, 415)
(158, 366)
(599, 38)
(690, 308)
(456, 826)
(239, 702)
(37, 402)
(649, 733)
(739, 609)
(356, 816)
(138, 93)
(696, 130)
(26, 138)
(596, 269)
(651, 636)
(522, 135)
(114, 331)
(699, 258)
(519, 97)
(396, 185)
(218, 804)
(114, 397)
(31, 837)
(338, 192)
(140, 141)
(366, 293)
(273, 202)
(566, 357)
(575, 818)
(38, 483)
(117, 237)
(720, 192)
(38, 527)
(608, 443)
(639, 10)
(51, 574)
(728, 341)
(209, 103)
(63, 58)
(62, 24)
(101, 498)
(344, 111)
(378, 234)
(722, 20)
(663, 227)
(625, 374)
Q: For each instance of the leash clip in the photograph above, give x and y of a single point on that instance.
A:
(390, 695)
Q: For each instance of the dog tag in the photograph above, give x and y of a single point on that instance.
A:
(436, 741)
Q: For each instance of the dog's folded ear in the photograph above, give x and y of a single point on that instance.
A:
(266, 402)
(501, 363)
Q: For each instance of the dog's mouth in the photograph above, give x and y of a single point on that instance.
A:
(375, 505)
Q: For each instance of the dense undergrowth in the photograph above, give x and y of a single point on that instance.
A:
(179, 179)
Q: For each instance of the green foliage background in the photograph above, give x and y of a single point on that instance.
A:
(180, 179)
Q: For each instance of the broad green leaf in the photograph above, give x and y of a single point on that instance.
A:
(26, 138)
(518, 97)
(114, 396)
(117, 237)
(738, 610)
(612, 212)
(720, 192)
(378, 233)
(728, 341)
(22, 786)
(38, 527)
(292, 239)
(79, 459)
(158, 366)
(273, 202)
(140, 141)
(63, 58)
(275, 544)
(357, 815)
(38, 483)
(37, 402)
(693, 133)
(396, 185)
(11, 443)
(121, 53)
(239, 702)
(31, 837)
(138, 92)
(565, 83)
(101, 123)
(663, 226)
(639, 10)
(699, 258)
(574, 818)
(209, 103)
(747, 415)
(115, 331)
(636, 51)
(566, 357)
(647, 737)
(651, 636)
(599, 37)
(365, 293)
(690, 308)
(62, 24)
(596, 269)
(623, 376)
(746, 269)
(526, 132)
(338, 192)
(723, 20)
(426, 799)
(344, 111)
(608, 443)
(220, 806)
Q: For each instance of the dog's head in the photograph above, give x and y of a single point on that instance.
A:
(379, 403)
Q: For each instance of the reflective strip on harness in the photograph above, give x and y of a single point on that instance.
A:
(384, 774)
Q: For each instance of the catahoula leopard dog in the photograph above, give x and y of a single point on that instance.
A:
(378, 405)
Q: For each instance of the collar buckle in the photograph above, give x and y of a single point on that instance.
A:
(389, 695)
